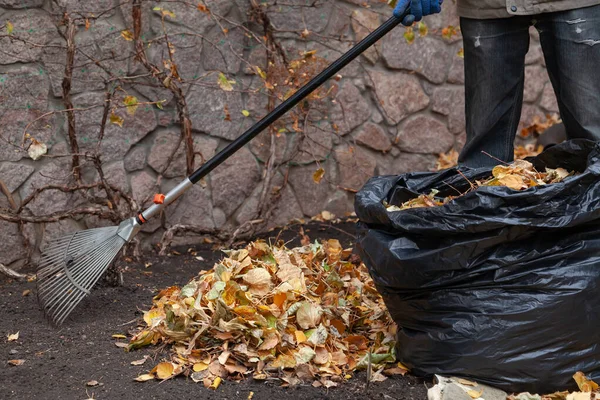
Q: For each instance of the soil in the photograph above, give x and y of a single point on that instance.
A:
(59, 362)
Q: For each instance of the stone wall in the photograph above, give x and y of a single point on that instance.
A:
(390, 112)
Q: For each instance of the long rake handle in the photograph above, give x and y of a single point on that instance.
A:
(274, 115)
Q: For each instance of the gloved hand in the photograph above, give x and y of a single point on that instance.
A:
(418, 9)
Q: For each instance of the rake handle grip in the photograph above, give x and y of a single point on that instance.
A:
(297, 97)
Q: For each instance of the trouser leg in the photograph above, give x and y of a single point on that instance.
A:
(571, 44)
(495, 52)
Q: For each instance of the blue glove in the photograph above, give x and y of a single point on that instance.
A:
(418, 9)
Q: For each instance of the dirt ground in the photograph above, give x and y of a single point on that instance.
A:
(59, 362)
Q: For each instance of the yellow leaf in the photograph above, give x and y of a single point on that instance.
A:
(466, 382)
(225, 83)
(132, 104)
(115, 119)
(151, 315)
(119, 336)
(216, 383)
(422, 29)
(461, 53)
(260, 72)
(300, 337)
(585, 384)
(13, 337)
(318, 175)
(9, 27)
(198, 367)
(250, 395)
(144, 377)
(246, 113)
(475, 394)
(409, 35)
(127, 35)
(164, 370)
(308, 54)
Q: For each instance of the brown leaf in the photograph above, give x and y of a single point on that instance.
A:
(270, 342)
(395, 371)
(308, 315)
(16, 362)
(92, 383)
(514, 182)
(139, 362)
(203, 8)
(585, 384)
(224, 357)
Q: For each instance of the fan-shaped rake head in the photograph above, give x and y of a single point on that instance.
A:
(71, 265)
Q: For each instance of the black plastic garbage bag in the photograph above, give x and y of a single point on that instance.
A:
(499, 286)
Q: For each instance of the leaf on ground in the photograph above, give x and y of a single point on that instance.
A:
(16, 363)
(119, 336)
(140, 362)
(92, 383)
(215, 384)
(466, 382)
(144, 378)
(475, 394)
(13, 337)
(164, 370)
(9, 27)
(122, 345)
(308, 315)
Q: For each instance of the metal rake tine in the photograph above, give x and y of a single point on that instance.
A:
(77, 266)
(64, 283)
(96, 271)
(93, 278)
(55, 287)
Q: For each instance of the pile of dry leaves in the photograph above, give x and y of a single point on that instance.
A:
(310, 313)
(519, 175)
(589, 390)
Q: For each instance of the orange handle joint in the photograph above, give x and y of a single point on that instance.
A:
(159, 198)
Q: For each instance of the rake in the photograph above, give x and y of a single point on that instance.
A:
(71, 265)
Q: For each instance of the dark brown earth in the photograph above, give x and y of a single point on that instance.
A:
(59, 362)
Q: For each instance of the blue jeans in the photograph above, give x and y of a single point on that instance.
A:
(495, 52)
